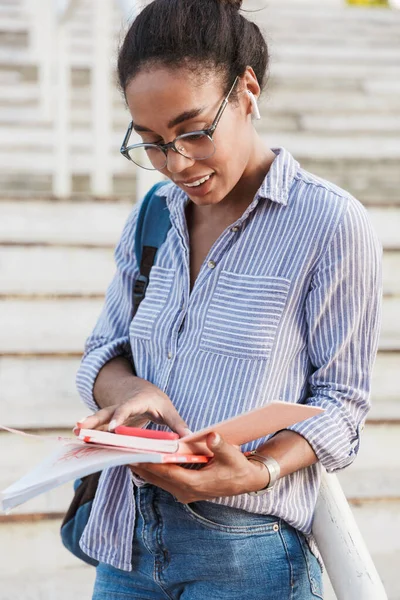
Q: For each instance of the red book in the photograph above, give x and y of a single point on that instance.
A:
(146, 433)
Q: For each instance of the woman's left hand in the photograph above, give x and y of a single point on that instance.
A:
(228, 473)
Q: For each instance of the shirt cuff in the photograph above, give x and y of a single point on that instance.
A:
(334, 438)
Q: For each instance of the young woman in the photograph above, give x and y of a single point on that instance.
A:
(266, 288)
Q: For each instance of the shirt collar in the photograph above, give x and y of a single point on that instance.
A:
(279, 179)
(275, 187)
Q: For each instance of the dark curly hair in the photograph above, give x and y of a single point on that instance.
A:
(199, 34)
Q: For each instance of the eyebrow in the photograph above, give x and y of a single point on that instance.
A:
(185, 116)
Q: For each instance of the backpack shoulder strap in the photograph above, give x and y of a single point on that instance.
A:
(151, 231)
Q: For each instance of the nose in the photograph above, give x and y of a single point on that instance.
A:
(176, 162)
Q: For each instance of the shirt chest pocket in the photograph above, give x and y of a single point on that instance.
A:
(152, 306)
(244, 314)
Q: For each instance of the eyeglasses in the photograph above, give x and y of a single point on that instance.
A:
(196, 145)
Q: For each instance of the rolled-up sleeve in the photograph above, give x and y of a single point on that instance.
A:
(110, 336)
(343, 311)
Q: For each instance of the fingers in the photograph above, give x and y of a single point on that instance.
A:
(137, 412)
(176, 423)
(152, 478)
(146, 408)
(101, 417)
(129, 411)
(223, 452)
(171, 483)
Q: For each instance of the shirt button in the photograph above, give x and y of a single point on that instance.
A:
(234, 229)
(211, 264)
(169, 355)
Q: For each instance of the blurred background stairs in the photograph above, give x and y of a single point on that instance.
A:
(333, 100)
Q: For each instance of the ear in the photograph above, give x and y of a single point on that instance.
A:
(250, 84)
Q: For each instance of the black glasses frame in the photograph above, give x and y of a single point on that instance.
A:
(124, 150)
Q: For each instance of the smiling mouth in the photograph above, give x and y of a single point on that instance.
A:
(199, 181)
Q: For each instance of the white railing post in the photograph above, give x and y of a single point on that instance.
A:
(144, 179)
(62, 179)
(42, 43)
(349, 564)
(101, 89)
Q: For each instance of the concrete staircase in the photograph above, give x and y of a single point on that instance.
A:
(333, 100)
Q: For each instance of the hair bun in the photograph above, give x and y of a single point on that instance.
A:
(234, 3)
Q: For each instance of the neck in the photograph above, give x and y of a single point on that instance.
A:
(240, 197)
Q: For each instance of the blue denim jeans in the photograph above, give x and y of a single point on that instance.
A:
(205, 551)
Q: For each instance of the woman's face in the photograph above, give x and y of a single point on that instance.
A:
(158, 96)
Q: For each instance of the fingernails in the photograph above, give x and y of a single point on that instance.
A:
(187, 431)
(112, 425)
(216, 439)
(76, 430)
(81, 420)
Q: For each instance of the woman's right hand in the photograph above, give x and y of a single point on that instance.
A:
(144, 402)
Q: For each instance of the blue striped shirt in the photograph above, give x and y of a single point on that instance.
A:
(285, 307)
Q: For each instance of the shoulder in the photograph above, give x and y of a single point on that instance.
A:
(322, 193)
(127, 239)
(332, 207)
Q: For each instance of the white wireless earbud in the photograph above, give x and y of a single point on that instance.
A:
(256, 112)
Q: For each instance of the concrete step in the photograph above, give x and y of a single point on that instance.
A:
(15, 23)
(330, 85)
(65, 222)
(62, 583)
(334, 163)
(385, 387)
(28, 271)
(23, 94)
(317, 101)
(337, 54)
(27, 149)
(36, 565)
(39, 391)
(61, 326)
(375, 474)
(48, 572)
(347, 142)
(19, 74)
(348, 146)
(327, 34)
(44, 138)
(309, 12)
(20, 57)
(9, 78)
(308, 75)
(35, 555)
(315, 72)
(16, 116)
(364, 124)
(311, 100)
(373, 182)
(15, 120)
(12, 12)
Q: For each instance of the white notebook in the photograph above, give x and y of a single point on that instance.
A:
(74, 458)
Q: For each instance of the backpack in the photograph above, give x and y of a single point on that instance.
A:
(151, 231)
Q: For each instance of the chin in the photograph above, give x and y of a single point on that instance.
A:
(204, 201)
